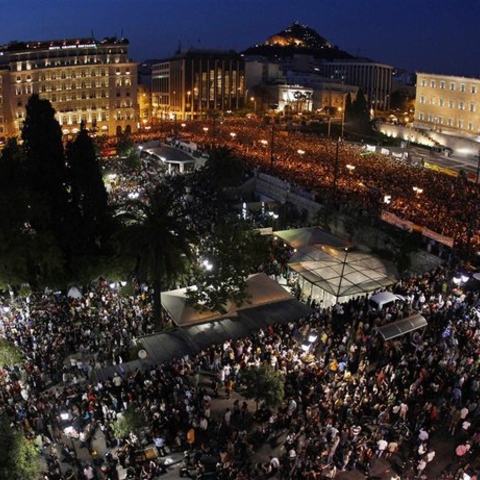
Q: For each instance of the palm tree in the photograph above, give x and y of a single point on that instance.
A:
(156, 238)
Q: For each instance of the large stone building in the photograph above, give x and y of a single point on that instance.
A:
(375, 79)
(84, 79)
(448, 104)
(195, 82)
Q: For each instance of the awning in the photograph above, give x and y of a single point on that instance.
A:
(401, 327)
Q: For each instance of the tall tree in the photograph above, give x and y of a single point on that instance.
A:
(46, 181)
(226, 259)
(156, 239)
(45, 165)
(223, 169)
(88, 227)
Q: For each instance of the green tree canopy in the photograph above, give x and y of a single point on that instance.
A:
(264, 384)
(19, 458)
(156, 239)
(232, 252)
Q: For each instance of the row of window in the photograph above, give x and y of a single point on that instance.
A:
(460, 124)
(451, 103)
(65, 61)
(452, 86)
(70, 74)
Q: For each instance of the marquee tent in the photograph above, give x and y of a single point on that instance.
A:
(303, 237)
(262, 290)
(192, 339)
(329, 275)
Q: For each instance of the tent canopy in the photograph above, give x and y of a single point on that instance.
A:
(261, 290)
(402, 327)
(341, 274)
(303, 237)
(190, 340)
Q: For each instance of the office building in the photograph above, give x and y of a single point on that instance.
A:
(196, 82)
(375, 79)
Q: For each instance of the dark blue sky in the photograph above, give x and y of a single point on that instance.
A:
(418, 35)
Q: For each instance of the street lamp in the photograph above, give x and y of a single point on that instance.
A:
(233, 135)
(350, 168)
(341, 274)
(272, 157)
(335, 172)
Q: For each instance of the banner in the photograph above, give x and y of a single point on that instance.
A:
(438, 237)
(392, 219)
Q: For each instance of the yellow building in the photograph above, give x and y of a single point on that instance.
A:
(448, 104)
(84, 79)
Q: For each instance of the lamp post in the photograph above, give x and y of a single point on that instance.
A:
(335, 172)
(341, 275)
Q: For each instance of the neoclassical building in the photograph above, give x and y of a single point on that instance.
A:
(84, 79)
(448, 104)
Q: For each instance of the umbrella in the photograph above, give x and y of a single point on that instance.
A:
(461, 450)
(74, 292)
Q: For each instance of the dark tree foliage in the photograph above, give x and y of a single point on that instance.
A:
(223, 169)
(156, 239)
(19, 459)
(46, 174)
(89, 226)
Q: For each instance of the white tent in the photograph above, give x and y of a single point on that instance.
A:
(74, 292)
(329, 275)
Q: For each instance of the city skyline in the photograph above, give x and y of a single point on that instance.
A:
(422, 36)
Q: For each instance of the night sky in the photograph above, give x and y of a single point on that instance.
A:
(418, 35)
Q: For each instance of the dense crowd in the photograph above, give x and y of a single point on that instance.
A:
(352, 398)
(447, 205)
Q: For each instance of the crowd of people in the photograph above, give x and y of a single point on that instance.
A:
(447, 205)
(351, 399)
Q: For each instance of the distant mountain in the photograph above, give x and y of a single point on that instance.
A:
(294, 40)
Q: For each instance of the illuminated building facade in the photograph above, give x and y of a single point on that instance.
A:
(84, 79)
(374, 79)
(196, 82)
(448, 104)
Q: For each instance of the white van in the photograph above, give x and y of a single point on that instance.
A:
(385, 300)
